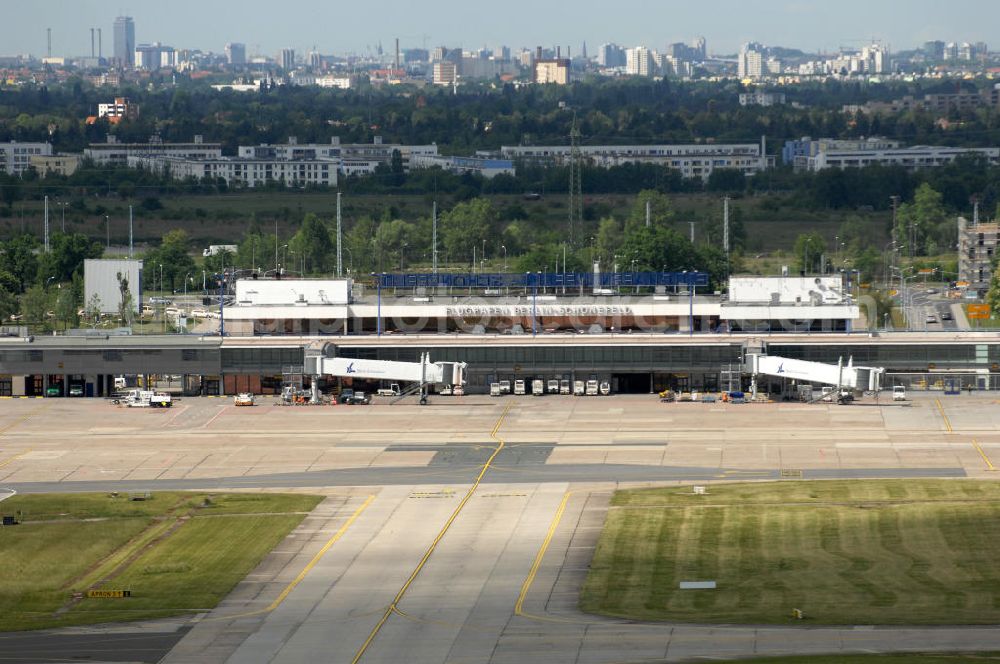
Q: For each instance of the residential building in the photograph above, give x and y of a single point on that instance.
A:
(118, 110)
(445, 73)
(124, 42)
(236, 54)
(15, 157)
(751, 62)
(359, 158)
(762, 99)
(154, 56)
(977, 246)
(693, 160)
(114, 153)
(555, 71)
(247, 172)
(610, 55)
(639, 62)
(798, 152)
(912, 158)
(62, 164)
(486, 167)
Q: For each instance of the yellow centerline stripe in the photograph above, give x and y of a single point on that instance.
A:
(526, 586)
(430, 550)
(305, 570)
(989, 464)
(947, 422)
(13, 458)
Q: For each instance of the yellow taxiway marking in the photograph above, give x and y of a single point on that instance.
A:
(526, 586)
(947, 422)
(392, 608)
(989, 464)
(13, 458)
(305, 570)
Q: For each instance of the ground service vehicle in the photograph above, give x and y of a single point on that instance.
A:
(243, 399)
(564, 387)
(538, 387)
(553, 387)
(391, 391)
(495, 389)
(605, 388)
(899, 393)
(145, 399)
(505, 387)
(592, 388)
(519, 387)
(579, 388)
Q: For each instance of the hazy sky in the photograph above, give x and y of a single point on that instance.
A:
(335, 26)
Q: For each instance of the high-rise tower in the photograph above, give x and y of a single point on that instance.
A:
(124, 42)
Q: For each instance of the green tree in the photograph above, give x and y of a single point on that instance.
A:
(923, 225)
(809, 249)
(92, 311)
(608, 240)
(66, 255)
(18, 258)
(66, 308)
(170, 262)
(312, 241)
(35, 306)
(466, 226)
(126, 304)
(661, 212)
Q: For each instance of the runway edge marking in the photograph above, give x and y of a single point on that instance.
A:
(433, 546)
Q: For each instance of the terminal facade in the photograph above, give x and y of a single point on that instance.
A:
(641, 332)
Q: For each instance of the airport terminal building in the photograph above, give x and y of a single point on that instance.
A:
(666, 336)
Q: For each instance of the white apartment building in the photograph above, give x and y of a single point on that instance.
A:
(752, 63)
(694, 160)
(355, 158)
(555, 70)
(15, 157)
(912, 158)
(639, 61)
(114, 153)
(247, 172)
(488, 168)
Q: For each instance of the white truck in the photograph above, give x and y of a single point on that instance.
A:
(898, 393)
(505, 387)
(579, 388)
(553, 386)
(592, 388)
(564, 387)
(538, 387)
(495, 389)
(145, 399)
(519, 387)
(391, 391)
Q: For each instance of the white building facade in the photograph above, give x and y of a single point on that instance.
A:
(15, 157)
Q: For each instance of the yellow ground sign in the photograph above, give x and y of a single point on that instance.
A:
(978, 311)
(109, 594)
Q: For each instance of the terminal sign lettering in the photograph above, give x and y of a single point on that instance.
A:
(541, 310)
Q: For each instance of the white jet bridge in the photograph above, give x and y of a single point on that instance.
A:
(421, 373)
(849, 380)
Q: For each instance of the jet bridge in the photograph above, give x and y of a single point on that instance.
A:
(422, 373)
(850, 379)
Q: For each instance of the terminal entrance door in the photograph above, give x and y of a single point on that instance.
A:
(631, 383)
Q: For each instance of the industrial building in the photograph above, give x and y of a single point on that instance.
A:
(114, 153)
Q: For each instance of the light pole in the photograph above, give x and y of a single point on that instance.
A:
(534, 304)
(186, 277)
(63, 206)
(283, 247)
(107, 229)
(378, 314)
(504, 249)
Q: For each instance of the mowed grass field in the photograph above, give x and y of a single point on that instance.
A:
(176, 552)
(843, 552)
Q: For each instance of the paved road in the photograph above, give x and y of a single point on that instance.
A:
(409, 560)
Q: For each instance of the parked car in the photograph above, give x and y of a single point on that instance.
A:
(899, 393)
(53, 391)
(76, 390)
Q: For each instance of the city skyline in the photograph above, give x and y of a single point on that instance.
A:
(807, 25)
